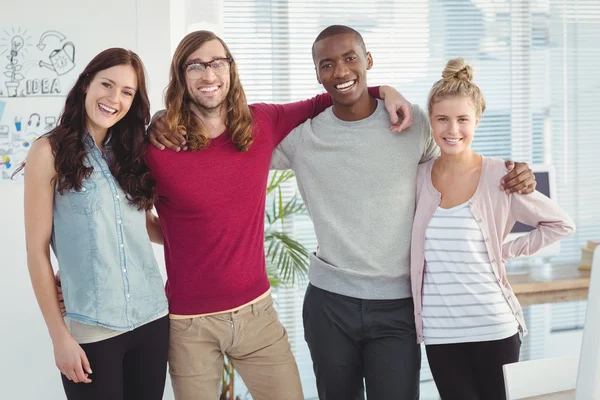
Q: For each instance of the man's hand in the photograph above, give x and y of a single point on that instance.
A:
(520, 179)
(59, 293)
(396, 103)
(160, 137)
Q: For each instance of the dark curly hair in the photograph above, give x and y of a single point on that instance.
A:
(128, 141)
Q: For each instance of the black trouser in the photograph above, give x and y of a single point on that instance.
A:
(130, 366)
(472, 371)
(351, 339)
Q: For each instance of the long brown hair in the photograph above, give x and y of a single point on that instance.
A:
(179, 114)
(127, 137)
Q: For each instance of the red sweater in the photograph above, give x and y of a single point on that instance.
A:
(211, 205)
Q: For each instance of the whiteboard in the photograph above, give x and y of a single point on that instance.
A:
(41, 56)
(38, 69)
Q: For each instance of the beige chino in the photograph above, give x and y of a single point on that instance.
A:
(251, 337)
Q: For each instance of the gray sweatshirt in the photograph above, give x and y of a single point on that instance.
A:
(357, 180)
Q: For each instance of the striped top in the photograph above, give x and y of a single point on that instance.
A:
(462, 300)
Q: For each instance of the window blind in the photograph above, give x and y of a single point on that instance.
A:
(535, 60)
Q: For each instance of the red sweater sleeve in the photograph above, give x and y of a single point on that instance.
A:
(282, 118)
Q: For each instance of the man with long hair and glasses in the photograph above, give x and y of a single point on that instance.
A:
(211, 204)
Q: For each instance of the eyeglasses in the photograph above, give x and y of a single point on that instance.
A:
(195, 68)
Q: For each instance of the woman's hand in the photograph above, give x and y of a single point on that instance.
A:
(71, 359)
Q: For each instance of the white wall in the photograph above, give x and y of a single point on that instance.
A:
(27, 370)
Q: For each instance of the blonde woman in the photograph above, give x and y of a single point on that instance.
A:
(465, 310)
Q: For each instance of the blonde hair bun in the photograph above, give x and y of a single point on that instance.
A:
(457, 69)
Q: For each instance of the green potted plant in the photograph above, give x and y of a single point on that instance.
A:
(287, 259)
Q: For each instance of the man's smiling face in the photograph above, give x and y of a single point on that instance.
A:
(210, 91)
(341, 63)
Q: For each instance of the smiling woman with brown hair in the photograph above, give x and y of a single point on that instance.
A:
(87, 194)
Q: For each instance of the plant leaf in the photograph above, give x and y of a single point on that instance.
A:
(288, 256)
(278, 178)
(281, 206)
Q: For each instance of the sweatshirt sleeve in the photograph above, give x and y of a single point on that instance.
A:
(420, 181)
(550, 221)
(430, 148)
(282, 118)
(283, 156)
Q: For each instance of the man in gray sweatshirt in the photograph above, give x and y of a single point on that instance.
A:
(357, 180)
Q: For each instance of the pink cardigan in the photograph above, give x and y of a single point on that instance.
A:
(496, 213)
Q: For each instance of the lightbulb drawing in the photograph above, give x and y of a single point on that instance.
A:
(17, 46)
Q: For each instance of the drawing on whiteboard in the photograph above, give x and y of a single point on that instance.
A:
(16, 43)
(62, 60)
(18, 124)
(35, 70)
(15, 142)
(41, 43)
(35, 63)
(50, 123)
(34, 118)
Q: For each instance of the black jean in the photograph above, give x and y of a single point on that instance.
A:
(352, 339)
(130, 366)
(472, 371)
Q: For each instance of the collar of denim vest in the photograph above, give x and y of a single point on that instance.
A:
(89, 143)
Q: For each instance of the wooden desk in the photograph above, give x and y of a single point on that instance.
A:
(566, 395)
(550, 284)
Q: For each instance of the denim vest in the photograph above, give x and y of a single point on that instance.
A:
(107, 267)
